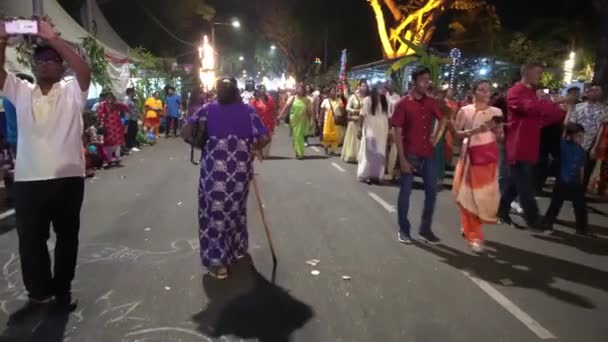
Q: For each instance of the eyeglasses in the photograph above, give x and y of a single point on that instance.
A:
(39, 61)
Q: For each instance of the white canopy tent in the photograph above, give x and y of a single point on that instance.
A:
(117, 51)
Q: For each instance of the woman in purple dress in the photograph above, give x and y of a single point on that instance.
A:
(235, 134)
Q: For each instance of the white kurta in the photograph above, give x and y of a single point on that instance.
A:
(372, 152)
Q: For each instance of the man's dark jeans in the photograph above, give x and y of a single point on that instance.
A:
(131, 136)
(521, 182)
(426, 168)
(172, 123)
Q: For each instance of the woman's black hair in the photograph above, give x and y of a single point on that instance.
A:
(258, 93)
(375, 96)
(227, 91)
(478, 83)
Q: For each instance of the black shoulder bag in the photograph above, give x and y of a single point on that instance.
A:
(196, 137)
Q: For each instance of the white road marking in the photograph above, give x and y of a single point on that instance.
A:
(315, 148)
(7, 213)
(338, 167)
(523, 317)
(387, 206)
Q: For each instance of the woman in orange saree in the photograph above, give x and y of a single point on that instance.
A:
(476, 177)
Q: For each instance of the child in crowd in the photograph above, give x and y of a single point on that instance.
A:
(93, 143)
(570, 185)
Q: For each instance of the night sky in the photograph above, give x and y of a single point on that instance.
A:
(351, 24)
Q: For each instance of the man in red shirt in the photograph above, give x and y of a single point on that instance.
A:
(527, 115)
(415, 139)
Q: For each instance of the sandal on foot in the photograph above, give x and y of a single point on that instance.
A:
(219, 272)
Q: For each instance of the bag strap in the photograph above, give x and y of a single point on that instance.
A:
(331, 106)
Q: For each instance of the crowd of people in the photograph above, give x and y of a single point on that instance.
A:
(116, 128)
(507, 145)
(500, 139)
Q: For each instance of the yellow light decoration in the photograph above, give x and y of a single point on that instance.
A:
(416, 26)
(207, 70)
(569, 68)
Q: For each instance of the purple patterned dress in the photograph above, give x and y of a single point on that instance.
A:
(226, 170)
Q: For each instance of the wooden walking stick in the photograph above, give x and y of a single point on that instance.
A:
(258, 196)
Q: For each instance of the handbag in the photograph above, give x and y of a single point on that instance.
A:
(482, 154)
(339, 120)
(198, 138)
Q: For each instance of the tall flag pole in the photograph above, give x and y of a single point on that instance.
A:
(342, 72)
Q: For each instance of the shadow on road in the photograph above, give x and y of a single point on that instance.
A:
(524, 269)
(592, 227)
(315, 157)
(247, 305)
(277, 158)
(596, 245)
(41, 328)
(7, 224)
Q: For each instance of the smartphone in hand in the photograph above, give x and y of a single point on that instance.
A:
(21, 26)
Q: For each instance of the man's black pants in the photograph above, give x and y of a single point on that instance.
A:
(574, 193)
(520, 182)
(38, 205)
(131, 136)
(172, 122)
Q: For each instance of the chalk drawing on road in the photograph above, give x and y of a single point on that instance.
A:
(93, 253)
(118, 313)
(138, 334)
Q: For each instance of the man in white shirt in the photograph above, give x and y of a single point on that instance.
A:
(50, 167)
(592, 115)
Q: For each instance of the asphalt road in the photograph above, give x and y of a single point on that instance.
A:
(139, 276)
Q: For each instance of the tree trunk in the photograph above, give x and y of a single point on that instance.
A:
(395, 10)
(601, 57)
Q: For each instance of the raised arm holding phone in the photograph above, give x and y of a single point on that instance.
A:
(50, 168)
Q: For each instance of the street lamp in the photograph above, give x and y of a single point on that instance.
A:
(241, 58)
(235, 23)
(273, 47)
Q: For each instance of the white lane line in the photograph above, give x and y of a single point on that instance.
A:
(387, 206)
(338, 167)
(7, 214)
(316, 149)
(523, 317)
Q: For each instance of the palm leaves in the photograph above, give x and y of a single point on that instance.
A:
(422, 57)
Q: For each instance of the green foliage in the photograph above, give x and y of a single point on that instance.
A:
(151, 74)
(97, 61)
(25, 50)
(422, 57)
(549, 80)
(474, 28)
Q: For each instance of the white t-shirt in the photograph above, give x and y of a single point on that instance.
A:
(50, 129)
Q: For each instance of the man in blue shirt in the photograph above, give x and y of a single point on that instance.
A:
(570, 184)
(173, 103)
(11, 118)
